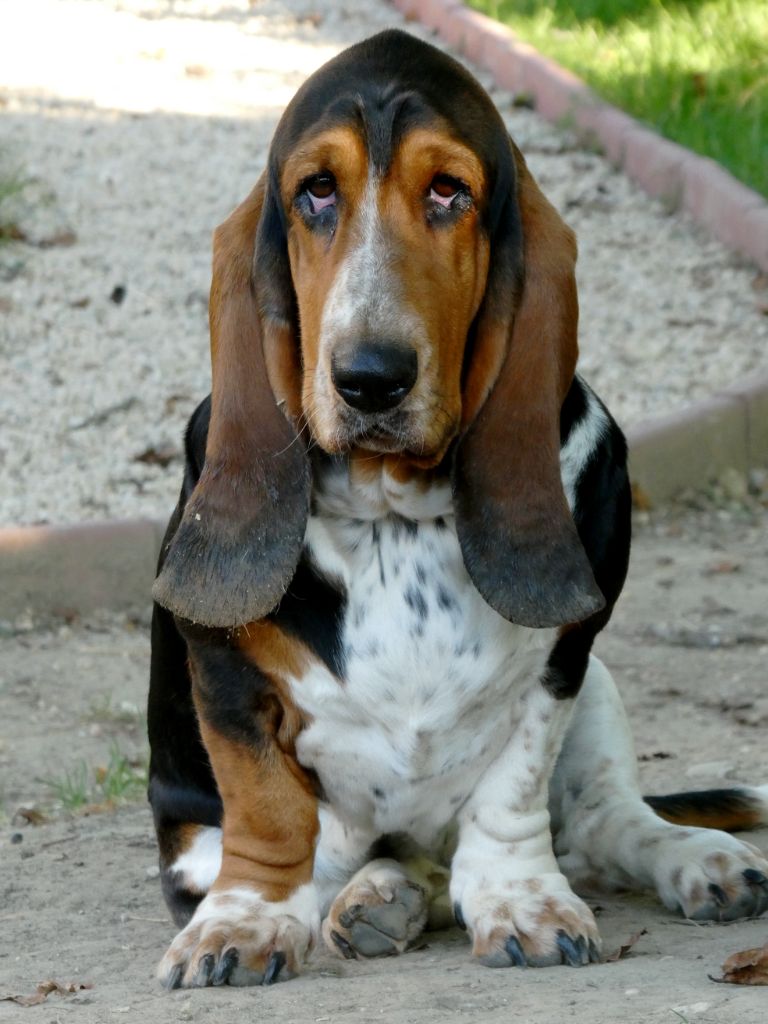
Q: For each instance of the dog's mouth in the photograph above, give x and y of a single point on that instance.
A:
(394, 433)
(383, 434)
(379, 439)
(419, 429)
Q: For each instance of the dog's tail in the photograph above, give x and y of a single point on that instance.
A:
(732, 810)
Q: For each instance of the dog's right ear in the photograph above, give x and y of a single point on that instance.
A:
(242, 530)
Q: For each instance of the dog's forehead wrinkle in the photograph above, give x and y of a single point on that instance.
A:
(401, 83)
(387, 118)
(379, 125)
(378, 116)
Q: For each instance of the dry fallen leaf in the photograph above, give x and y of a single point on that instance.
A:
(722, 568)
(43, 990)
(160, 455)
(749, 967)
(30, 815)
(58, 238)
(641, 500)
(625, 947)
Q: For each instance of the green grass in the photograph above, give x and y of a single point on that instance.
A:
(696, 70)
(105, 711)
(122, 779)
(119, 781)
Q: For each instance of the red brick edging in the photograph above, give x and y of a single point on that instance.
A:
(77, 569)
(730, 211)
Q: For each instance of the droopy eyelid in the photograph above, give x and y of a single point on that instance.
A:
(322, 203)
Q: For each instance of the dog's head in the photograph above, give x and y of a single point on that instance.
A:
(395, 282)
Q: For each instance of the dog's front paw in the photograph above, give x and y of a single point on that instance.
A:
(377, 914)
(711, 876)
(237, 938)
(536, 922)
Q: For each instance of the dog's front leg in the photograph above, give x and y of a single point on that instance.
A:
(261, 915)
(506, 886)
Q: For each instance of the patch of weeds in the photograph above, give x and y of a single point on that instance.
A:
(105, 711)
(100, 787)
(122, 779)
(71, 789)
(10, 185)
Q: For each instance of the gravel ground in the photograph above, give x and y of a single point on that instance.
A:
(140, 135)
(79, 896)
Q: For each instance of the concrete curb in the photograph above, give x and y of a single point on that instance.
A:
(688, 449)
(78, 569)
(733, 213)
(72, 570)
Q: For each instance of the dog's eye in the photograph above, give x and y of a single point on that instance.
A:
(321, 189)
(444, 189)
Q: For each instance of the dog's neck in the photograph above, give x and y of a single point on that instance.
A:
(366, 486)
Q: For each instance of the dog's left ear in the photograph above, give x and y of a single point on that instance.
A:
(517, 535)
(239, 540)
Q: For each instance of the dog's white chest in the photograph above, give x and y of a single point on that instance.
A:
(432, 677)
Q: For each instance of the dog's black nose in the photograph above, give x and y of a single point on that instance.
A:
(375, 376)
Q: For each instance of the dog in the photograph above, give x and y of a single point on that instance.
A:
(403, 521)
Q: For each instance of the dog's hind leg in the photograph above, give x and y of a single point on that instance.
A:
(608, 837)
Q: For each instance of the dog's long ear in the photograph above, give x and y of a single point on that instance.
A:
(240, 537)
(517, 535)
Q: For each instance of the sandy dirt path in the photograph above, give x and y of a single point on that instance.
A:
(79, 897)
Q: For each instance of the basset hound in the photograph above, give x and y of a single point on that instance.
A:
(403, 521)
